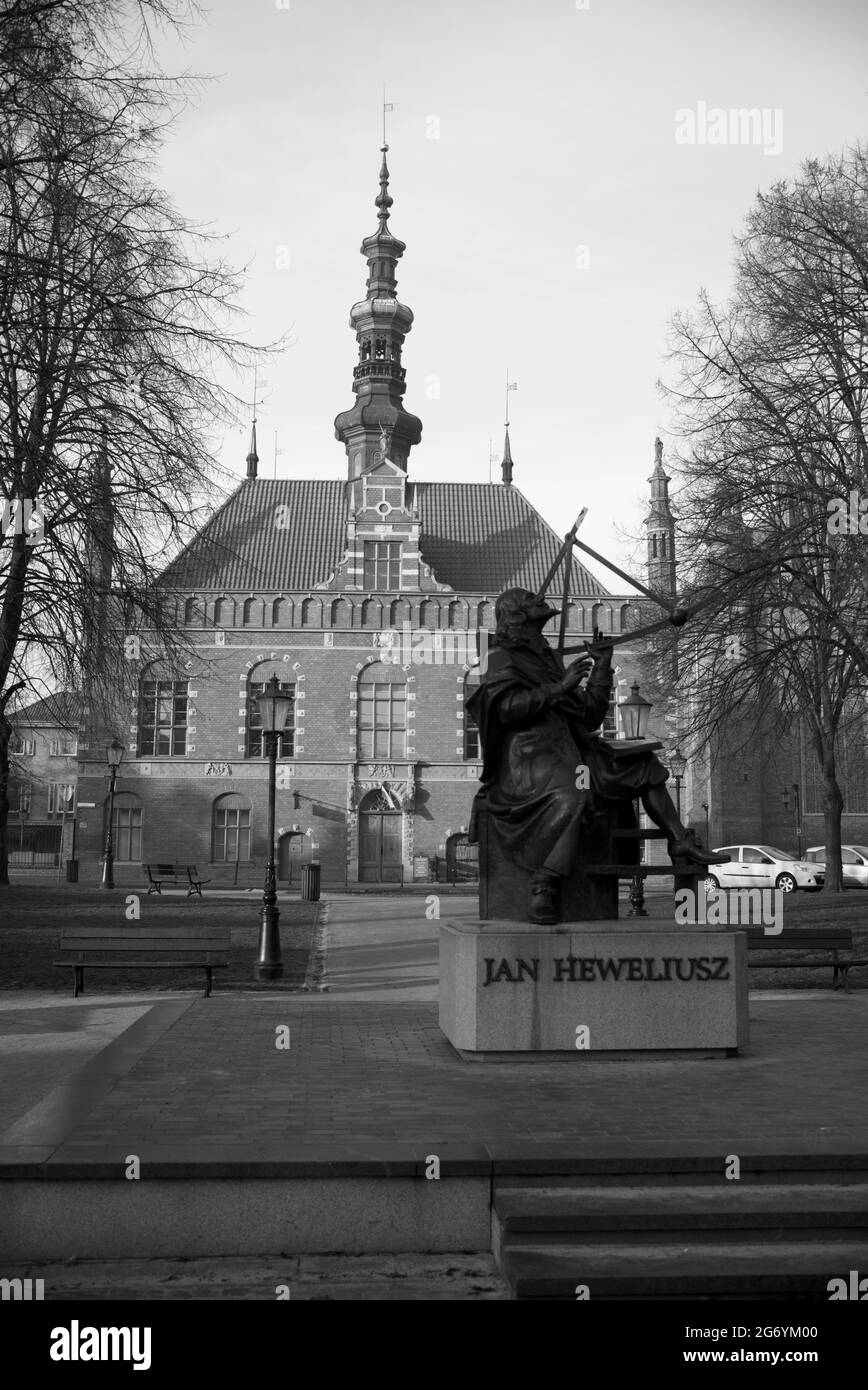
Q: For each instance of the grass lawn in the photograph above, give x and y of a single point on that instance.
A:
(31, 916)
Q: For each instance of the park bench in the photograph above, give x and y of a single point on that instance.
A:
(143, 948)
(195, 881)
(160, 874)
(829, 939)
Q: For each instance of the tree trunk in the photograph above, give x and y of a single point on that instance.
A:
(833, 805)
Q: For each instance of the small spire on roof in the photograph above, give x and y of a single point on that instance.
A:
(506, 465)
(252, 459)
(252, 456)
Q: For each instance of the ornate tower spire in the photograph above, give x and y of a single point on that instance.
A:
(660, 528)
(381, 323)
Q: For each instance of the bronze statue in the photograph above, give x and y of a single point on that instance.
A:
(536, 730)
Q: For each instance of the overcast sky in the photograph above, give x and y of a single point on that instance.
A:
(556, 131)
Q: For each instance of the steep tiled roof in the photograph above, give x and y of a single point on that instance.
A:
(477, 538)
(62, 711)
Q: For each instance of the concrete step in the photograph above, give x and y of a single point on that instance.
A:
(692, 1269)
(733, 1207)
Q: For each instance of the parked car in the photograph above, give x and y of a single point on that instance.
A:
(854, 862)
(763, 866)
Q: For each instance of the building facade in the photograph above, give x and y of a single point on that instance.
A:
(370, 596)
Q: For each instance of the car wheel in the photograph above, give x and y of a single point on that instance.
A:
(786, 883)
(710, 883)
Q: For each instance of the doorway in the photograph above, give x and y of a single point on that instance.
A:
(380, 840)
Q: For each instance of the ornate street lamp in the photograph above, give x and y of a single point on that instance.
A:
(678, 766)
(114, 754)
(634, 714)
(274, 706)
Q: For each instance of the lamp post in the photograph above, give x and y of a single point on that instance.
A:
(274, 708)
(678, 765)
(635, 713)
(704, 805)
(792, 799)
(114, 757)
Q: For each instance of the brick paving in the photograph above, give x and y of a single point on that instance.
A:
(363, 1080)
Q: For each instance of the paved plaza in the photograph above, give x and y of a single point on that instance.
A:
(368, 1076)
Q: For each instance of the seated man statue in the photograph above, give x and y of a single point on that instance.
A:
(535, 727)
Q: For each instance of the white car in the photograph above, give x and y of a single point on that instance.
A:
(854, 863)
(763, 866)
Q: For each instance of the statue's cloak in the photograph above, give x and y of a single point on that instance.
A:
(536, 744)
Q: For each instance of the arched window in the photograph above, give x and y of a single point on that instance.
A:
(254, 615)
(281, 609)
(372, 613)
(457, 614)
(311, 612)
(342, 613)
(230, 829)
(224, 612)
(486, 615)
(663, 546)
(471, 732)
(382, 713)
(399, 612)
(429, 614)
(257, 746)
(127, 827)
(162, 717)
(653, 547)
(190, 613)
(462, 860)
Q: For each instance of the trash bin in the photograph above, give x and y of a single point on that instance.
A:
(72, 871)
(310, 881)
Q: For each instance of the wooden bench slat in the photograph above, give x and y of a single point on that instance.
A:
(186, 932)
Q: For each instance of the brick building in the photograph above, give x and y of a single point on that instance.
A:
(370, 596)
(43, 754)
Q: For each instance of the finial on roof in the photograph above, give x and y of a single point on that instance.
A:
(252, 459)
(384, 200)
(506, 465)
(252, 456)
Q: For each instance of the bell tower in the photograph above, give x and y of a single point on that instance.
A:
(378, 425)
(660, 529)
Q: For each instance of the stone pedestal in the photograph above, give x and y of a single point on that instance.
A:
(591, 990)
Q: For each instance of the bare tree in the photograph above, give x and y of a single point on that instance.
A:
(114, 356)
(770, 396)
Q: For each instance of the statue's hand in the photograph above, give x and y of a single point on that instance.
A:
(576, 673)
(600, 648)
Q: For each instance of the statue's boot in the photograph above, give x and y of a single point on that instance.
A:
(543, 898)
(690, 849)
(682, 843)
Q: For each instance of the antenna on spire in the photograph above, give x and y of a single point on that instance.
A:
(510, 386)
(387, 106)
